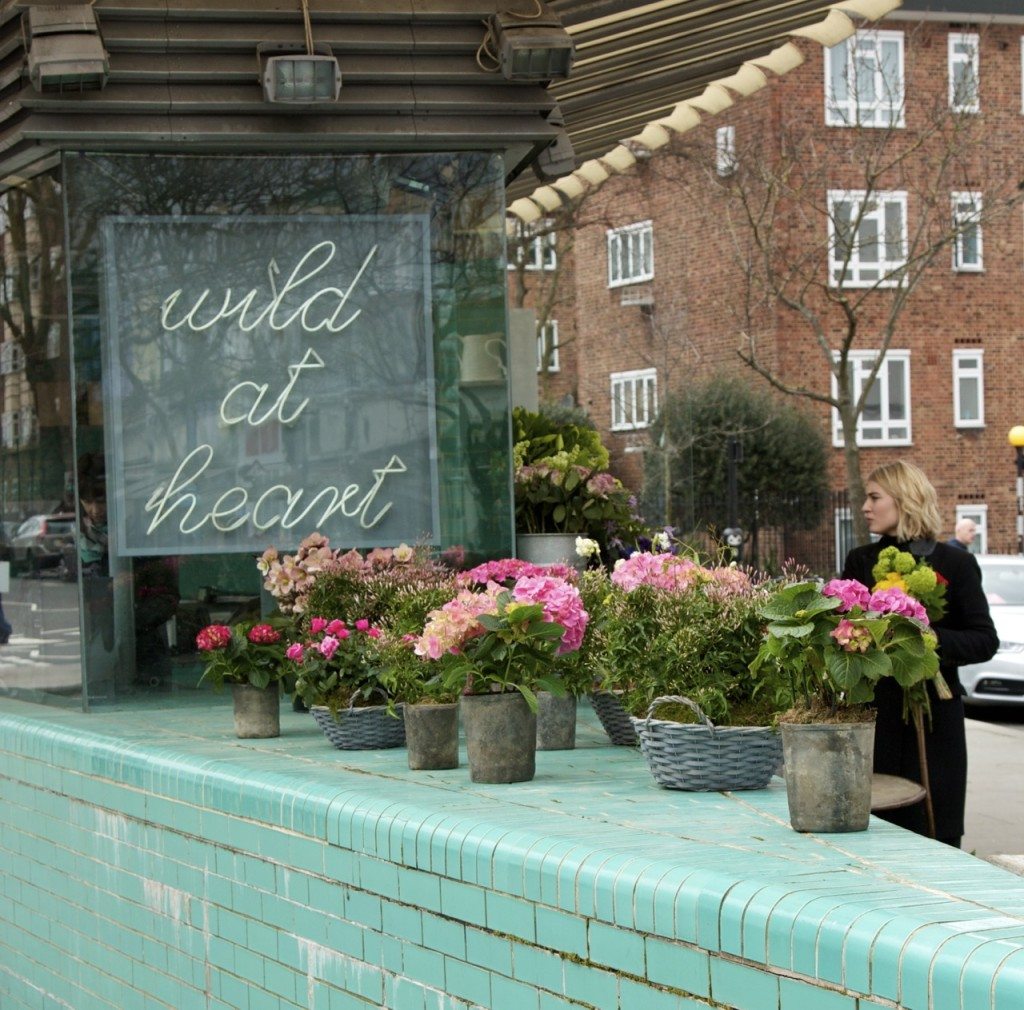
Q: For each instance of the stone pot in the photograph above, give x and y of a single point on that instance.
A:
(549, 549)
(501, 737)
(257, 711)
(556, 721)
(432, 736)
(828, 775)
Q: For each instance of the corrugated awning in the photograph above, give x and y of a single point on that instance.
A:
(646, 71)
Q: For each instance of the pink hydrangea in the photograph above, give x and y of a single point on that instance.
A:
(851, 637)
(263, 634)
(662, 571)
(507, 569)
(213, 637)
(850, 592)
(895, 601)
(562, 605)
(448, 628)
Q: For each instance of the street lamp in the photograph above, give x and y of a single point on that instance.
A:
(1016, 439)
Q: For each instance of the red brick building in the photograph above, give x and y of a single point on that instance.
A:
(651, 296)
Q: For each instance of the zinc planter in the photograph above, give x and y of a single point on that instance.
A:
(556, 721)
(257, 711)
(828, 775)
(501, 737)
(549, 549)
(368, 728)
(432, 736)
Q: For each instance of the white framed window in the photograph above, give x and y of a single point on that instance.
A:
(968, 389)
(547, 346)
(867, 240)
(967, 222)
(27, 425)
(630, 254)
(725, 150)
(12, 357)
(534, 252)
(885, 419)
(864, 84)
(634, 399)
(979, 513)
(964, 93)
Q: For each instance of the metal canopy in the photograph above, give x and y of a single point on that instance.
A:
(184, 74)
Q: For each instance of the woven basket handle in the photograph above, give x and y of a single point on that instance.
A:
(678, 699)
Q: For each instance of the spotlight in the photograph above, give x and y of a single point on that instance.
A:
(531, 47)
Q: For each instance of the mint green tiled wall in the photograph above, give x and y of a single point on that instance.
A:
(143, 876)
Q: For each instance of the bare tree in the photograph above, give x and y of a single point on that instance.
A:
(833, 230)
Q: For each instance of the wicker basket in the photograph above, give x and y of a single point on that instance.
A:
(369, 728)
(704, 757)
(616, 721)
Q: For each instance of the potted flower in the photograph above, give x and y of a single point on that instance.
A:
(498, 648)
(835, 642)
(556, 712)
(431, 710)
(562, 488)
(250, 658)
(338, 675)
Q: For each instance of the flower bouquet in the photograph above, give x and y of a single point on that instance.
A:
(896, 569)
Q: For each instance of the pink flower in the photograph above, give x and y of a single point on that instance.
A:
(448, 628)
(507, 569)
(362, 624)
(317, 624)
(335, 628)
(263, 634)
(561, 603)
(895, 601)
(341, 634)
(328, 646)
(373, 632)
(850, 592)
(294, 652)
(851, 637)
(213, 637)
(662, 571)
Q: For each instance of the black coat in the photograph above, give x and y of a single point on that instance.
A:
(966, 635)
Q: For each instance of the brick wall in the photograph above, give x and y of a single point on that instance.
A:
(694, 328)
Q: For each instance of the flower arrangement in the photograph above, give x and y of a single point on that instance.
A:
(836, 642)
(678, 574)
(245, 653)
(901, 570)
(505, 639)
(337, 664)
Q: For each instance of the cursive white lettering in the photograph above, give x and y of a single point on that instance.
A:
(310, 360)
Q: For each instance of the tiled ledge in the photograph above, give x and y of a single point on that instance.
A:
(152, 860)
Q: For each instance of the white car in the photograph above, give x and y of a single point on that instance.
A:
(1000, 681)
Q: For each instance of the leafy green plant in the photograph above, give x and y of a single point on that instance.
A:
(836, 642)
(650, 642)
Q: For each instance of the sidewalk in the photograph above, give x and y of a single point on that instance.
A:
(995, 814)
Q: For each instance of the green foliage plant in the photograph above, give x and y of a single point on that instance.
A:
(834, 643)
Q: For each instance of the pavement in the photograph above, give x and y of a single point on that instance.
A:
(995, 813)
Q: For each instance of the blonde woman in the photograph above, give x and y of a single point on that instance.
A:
(901, 507)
